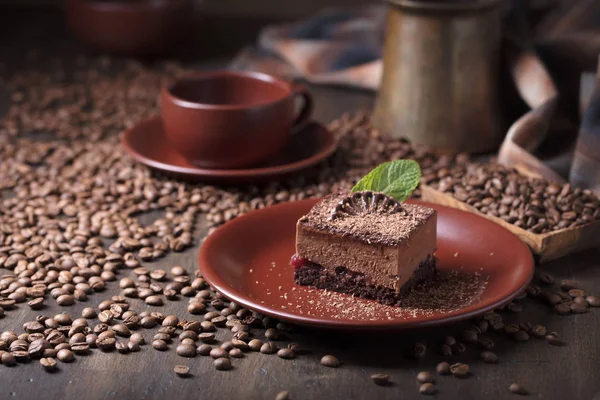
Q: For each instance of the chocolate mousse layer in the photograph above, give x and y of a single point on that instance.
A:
(369, 234)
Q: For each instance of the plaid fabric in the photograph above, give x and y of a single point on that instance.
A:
(548, 44)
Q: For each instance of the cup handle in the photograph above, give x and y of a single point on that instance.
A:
(306, 110)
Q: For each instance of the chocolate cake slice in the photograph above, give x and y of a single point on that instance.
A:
(365, 244)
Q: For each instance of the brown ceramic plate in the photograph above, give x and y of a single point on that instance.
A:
(146, 142)
(247, 260)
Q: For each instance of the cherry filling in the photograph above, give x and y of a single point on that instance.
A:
(298, 262)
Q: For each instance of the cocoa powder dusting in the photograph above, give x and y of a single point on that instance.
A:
(448, 291)
(388, 229)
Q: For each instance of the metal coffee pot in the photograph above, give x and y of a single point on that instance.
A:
(440, 74)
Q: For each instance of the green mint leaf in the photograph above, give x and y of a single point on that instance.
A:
(397, 179)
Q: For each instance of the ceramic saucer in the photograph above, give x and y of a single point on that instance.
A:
(481, 266)
(146, 142)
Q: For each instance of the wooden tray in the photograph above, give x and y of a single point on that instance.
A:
(546, 246)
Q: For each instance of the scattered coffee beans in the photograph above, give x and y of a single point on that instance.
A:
(283, 395)
(329, 361)
(443, 368)
(182, 370)
(424, 377)
(427, 388)
(380, 379)
(222, 364)
(459, 370)
(186, 350)
(517, 388)
(49, 364)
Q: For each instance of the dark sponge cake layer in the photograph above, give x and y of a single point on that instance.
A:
(345, 281)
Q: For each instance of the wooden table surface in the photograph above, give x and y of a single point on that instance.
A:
(568, 372)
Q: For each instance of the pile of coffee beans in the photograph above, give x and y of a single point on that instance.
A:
(529, 203)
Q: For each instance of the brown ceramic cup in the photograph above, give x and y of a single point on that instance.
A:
(226, 119)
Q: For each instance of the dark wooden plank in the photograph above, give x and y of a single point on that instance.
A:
(548, 372)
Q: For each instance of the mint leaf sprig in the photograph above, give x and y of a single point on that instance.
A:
(397, 179)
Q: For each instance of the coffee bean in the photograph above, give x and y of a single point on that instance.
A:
(593, 301)
(219, 353)
(8, 359)
(206, 337)
(227, 346)
(166, 337)
(133, 346)
(567, 285)
(469, 336)
(287, 354)
(424, 377)
(517, 389)
(242, 335)
(106, 343)
(36, 304)
(170, 320)
(80, 348)
(49, 364)
(419, 350)
(121, 330)
(562, 309)
(160, 345)
(283, 395)
(204, 349)
(446, 350)
(148, 322)
(196, 308)
(182, 370)
(255, 344)
(578, 308)
(449, 340)
(137, 338)
(207, 326)
(65, 300)
(219, 321)
(514, 307)
(153, 301)
(576, 293)
(533, 291)
(178, 271)
(239, 328)
(553, 339)
(122, 347)
(547, 279)
(186, 350)
(88, 313)
(236, 353)
(188, 335)
(222, 364)
(158, 274)
(489, 357)
(380, 379)
(443, 368)
(7, 304)
(328, 361)
(459, 370)
(539, 331)
(580, 300)
(239, 344)
(65, 356)
(269, 348)
(427, 389)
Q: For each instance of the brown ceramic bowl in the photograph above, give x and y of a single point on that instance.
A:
(135, 27)
(226, 119)
(248, 261)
